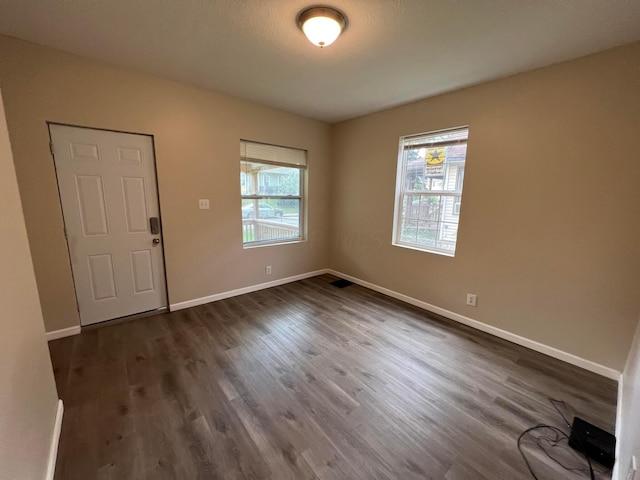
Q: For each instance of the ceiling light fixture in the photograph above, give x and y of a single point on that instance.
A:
(322, 25)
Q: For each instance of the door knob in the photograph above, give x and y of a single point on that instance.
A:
(156, 241)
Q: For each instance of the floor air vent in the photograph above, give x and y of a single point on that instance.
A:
(341, 283)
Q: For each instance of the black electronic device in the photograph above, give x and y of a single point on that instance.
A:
(154, 223)
(593, 442)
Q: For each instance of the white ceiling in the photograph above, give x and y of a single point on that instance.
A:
(393, 51)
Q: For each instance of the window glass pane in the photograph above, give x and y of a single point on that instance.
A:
(447, 236)
(409, 231)
(267, 179)
(272, 220)
(410, 206)
(430, 207)
(435, 168)
(427, 232)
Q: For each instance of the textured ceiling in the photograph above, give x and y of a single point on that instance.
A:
(393, 52)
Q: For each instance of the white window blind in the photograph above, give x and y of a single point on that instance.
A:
(262, 152)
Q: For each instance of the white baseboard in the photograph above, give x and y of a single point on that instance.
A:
(241, 291)
(498, 332)
(55, 440)
(65, 332)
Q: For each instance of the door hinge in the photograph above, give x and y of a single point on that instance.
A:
(53, 154)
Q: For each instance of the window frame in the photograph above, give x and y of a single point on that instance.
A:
(457, 204)
(260, 198)
(401, 192)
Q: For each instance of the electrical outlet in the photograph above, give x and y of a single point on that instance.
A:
(472, 299)
(267, 270)
(203, 203)
(633, 468)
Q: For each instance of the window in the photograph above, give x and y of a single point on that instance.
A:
(272, 182)
(429, 190)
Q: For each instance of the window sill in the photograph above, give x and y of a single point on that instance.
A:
(251, 245)
(424, 249)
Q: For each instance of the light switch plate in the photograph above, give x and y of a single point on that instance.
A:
(203, 203)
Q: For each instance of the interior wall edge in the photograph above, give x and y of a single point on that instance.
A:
(55, 442)
(616, 467)
(628, 422)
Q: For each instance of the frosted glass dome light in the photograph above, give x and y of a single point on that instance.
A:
(322, 25)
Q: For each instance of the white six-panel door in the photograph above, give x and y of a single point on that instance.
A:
(108, 191)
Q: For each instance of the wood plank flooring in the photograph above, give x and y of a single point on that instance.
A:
(309, 381)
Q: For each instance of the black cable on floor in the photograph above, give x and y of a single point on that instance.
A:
(556, 436)
(554, 402)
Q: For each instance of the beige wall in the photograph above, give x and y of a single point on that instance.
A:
(196, 134)
(550, 224)
(629, 420)
(28, 397)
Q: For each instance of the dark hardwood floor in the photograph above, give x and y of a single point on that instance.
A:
(306, 381)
